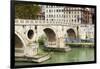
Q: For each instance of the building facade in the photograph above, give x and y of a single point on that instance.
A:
(81, 17)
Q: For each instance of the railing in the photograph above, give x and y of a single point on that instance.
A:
(28, 21)
(44, 22)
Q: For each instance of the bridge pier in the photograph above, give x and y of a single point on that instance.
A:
(60, 42)
(31, 49)
(59, 45)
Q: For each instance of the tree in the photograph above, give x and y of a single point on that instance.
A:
(42, 39)
(26, 10)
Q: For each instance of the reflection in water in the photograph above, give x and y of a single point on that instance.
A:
(75, 55)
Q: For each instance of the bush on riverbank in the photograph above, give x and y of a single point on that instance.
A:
(42, 39)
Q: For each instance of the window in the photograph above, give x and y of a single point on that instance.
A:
(72, 20)
(75, 12)
(75, 16)
(54, 10)
(69, 16)
(51, 19)
(54, 15)
(69, 12)
(62, 10)
(72, 16)
(68, 20)
(57, 10)
(49, 15)
(78, 12)
(62, 15)
(49, 10)
(51, 6)
(46, 10)
(75, 20)
(59, 16)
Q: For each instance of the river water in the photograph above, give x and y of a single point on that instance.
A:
(75, 55)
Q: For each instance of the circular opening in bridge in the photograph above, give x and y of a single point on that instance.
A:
(50, 34)
(71, 34)
(30, 34)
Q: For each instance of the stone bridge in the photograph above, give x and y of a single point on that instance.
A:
(27, 33)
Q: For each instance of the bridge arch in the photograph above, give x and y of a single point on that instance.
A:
(51, 35)
(71, 33)
(19, 45)
(18, 36)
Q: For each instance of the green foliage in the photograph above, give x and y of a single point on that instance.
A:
(26, 10)
(42, 40)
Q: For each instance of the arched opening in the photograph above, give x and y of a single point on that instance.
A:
(51, 36)
(18, 45)
(30, 34)
(71, 35)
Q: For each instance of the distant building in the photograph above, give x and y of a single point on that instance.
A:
(82, 17)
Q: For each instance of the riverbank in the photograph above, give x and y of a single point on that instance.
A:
(89, 45)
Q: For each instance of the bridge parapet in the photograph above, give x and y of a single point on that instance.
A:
(44, 22)
(29, 21)
(38, 22)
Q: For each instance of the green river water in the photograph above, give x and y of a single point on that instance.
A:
(75, 55)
